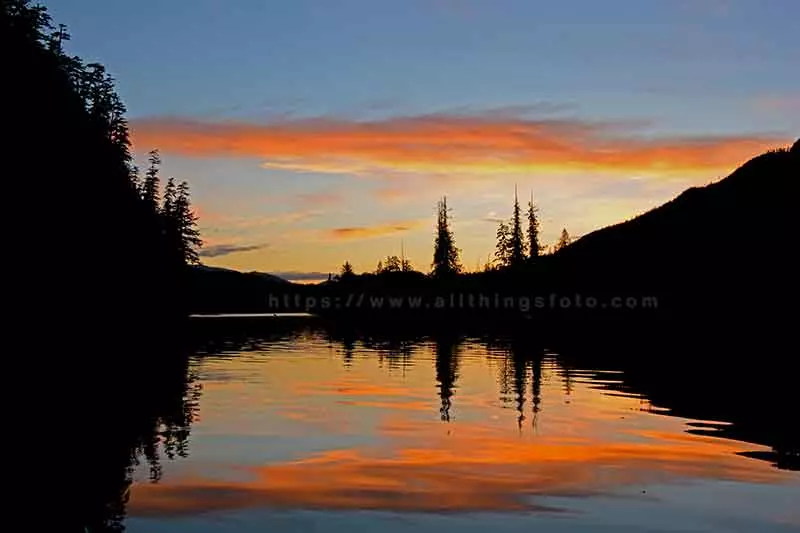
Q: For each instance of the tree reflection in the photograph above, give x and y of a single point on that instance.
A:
(520, 381)
(522, 360)
(446, 351)
(536, 390)
(711, 391)
(153, 409)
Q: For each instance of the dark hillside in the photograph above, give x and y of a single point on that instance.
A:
(726, 247)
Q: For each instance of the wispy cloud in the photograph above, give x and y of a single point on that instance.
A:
(235, 225)
(448, 144)
(365, 232)
(321, 198)
(219, 250)
(493, 217)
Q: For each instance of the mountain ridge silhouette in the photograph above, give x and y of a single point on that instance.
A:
(716, 255)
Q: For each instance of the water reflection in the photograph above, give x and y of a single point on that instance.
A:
(446, 354)
(301, 415)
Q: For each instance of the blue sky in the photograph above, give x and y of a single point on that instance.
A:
(684, 71)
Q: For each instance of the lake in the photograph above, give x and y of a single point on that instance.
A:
(305, 429)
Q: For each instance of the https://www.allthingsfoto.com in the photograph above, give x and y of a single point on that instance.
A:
(459, 301)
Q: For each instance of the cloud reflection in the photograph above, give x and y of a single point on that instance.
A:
(477, 470)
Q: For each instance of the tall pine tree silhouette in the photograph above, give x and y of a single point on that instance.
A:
(152, 182)
(534, 248)
(445, 254)
(169, 198)
(169, 221)
(516, 243)
(186, 222)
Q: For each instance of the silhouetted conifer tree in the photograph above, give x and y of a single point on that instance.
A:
(534, 247)
(347, 271)
(170, 221)
(563, 241)
(169, 200)
(186, 221)
(136, 180)
(445, 254)
(502, 253)
(516, 240)
(152, 182)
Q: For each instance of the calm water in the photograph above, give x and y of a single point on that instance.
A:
(300, 432)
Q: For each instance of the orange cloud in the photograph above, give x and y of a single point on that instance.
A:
(450, 144)
(366, 232)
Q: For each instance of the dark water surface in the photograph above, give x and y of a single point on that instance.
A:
(304, 430)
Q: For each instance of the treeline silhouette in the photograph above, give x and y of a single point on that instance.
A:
(90, 229)
(97, 257)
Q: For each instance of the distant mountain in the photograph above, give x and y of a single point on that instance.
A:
(229, 271)
(215, 289)
(205, 268)
(726, 246)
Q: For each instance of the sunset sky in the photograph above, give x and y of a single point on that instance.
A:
(314, 132)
